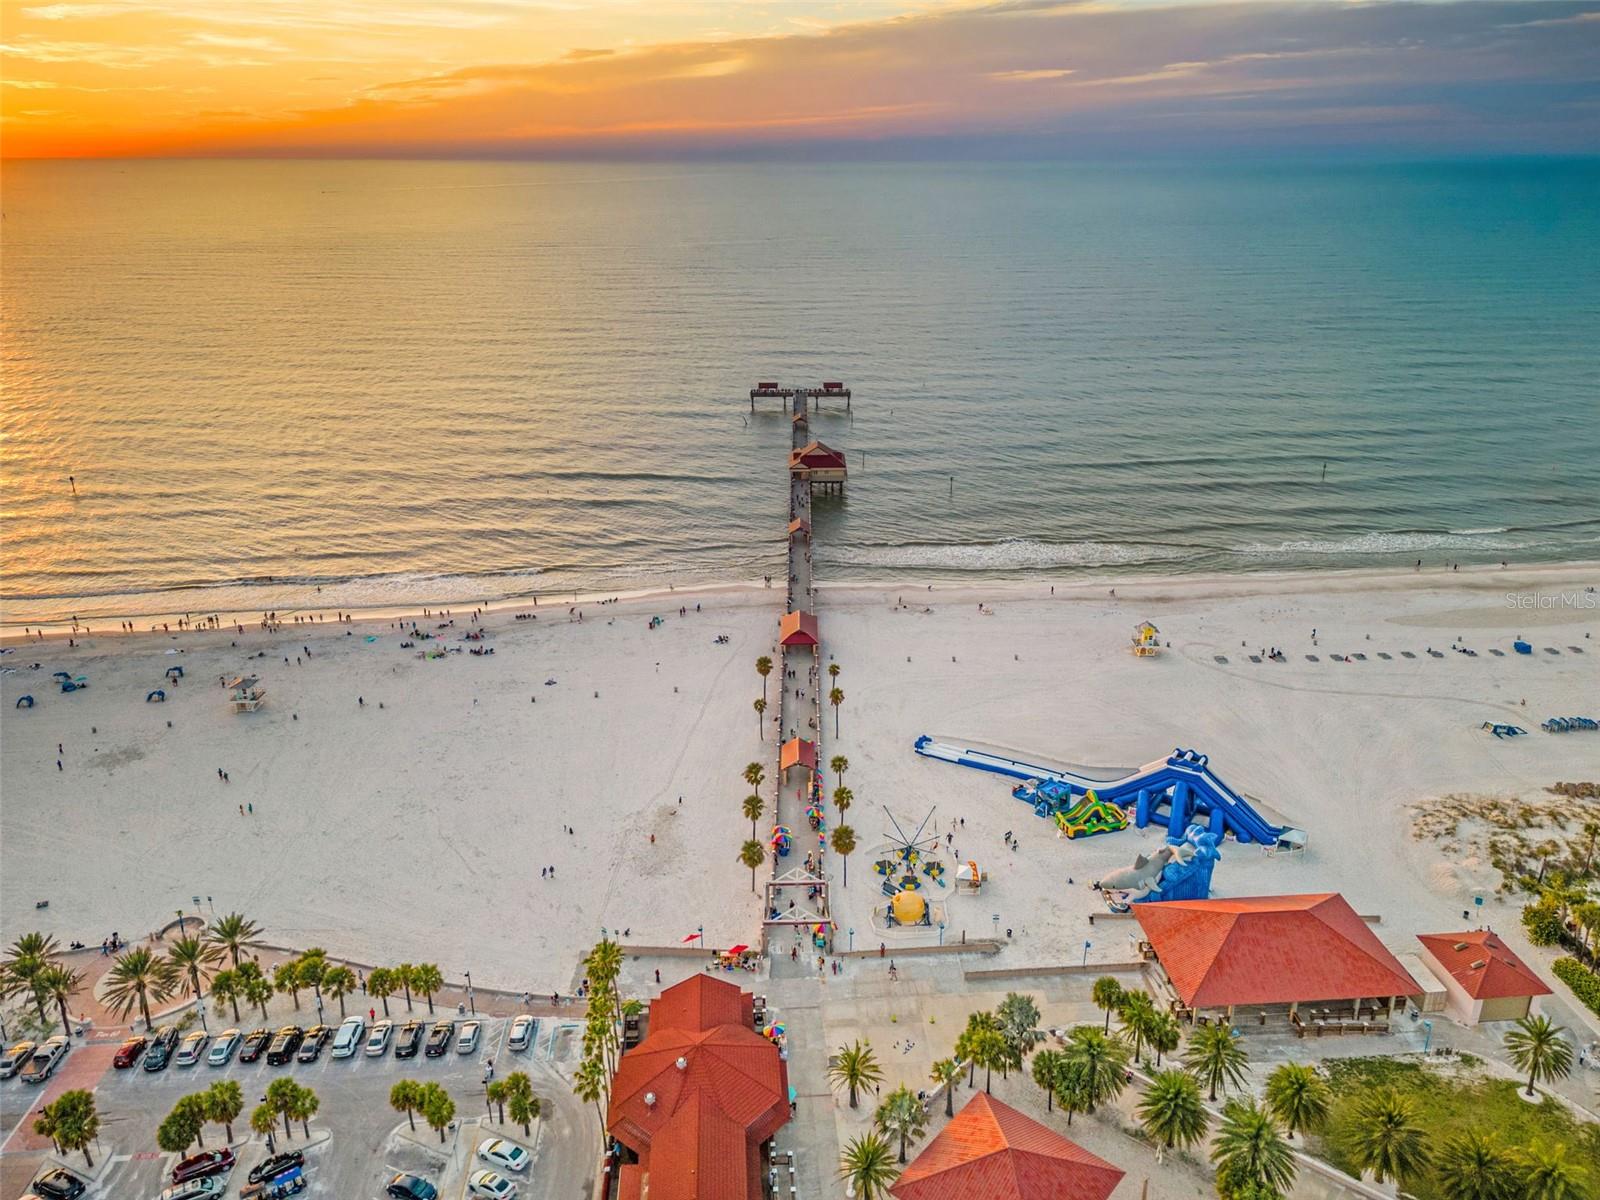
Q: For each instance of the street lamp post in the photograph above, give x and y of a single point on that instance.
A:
(1427, 1040)
(1086, 946)
(470, 1002)
(200, 1007)
(852, 937)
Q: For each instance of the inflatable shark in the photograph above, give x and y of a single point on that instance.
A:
(1180, 871)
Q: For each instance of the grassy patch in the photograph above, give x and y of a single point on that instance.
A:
(1450, 1101)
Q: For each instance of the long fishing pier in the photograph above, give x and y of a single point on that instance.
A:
(797, 895)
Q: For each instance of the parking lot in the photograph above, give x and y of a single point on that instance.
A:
(358, 1141)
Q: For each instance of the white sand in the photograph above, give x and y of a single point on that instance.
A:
(418, 831)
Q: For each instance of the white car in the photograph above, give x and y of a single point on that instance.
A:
(487, 1183)
(222, 1049)
(521, 1033)
(194, 1045)
(467, 1039)
(378, 1039)
(506, 1155)
(350, 1036)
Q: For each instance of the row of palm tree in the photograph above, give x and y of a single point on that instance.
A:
(70, 1122)
(30, 969)
(411, 1097)
(515, 1092)
(219, 1104)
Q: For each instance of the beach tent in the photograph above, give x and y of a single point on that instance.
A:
(798, 629)
(24, 701)
(174, 673)
(798, 752)
(156, 697)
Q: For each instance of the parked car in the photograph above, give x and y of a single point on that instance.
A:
(162, 1045)
(378, 1039)
(521, 1033)
(207, 1162)
(348, 1040)
(45, 1060)
(439, 1038)
(276, 1165)
(409, 1040)
(411, 1187)
(317, 1037)
(506, 1155)
(222, 1050)
(490, 1185)
(467, 1041)
(16, 1057)
(59, 1184)
(192, 1048)
(128, 1053)
(284, 1043)
(203, 1188)
(255, 1042)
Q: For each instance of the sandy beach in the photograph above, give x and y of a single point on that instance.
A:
(415, 823)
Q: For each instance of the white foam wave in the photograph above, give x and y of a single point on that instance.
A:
(1013, 554)
(1386, 543)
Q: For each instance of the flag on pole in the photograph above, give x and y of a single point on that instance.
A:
(691, 937)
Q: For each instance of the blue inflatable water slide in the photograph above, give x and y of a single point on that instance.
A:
(1176, 791)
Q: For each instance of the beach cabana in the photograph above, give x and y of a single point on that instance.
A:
(990, 1151)
(245, 693)
(1309, 958)
(1483, 980)
(798, 629)
(797, 752)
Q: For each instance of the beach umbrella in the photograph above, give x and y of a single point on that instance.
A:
(883, 866)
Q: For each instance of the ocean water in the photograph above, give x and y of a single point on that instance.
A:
(440, 382)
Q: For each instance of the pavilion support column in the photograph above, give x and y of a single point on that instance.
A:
(1355, 1010)
(1293, 1007)
(1230, 1014)
(1392, 999)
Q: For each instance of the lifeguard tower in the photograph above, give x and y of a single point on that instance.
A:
(1146, 640)
(245, 693)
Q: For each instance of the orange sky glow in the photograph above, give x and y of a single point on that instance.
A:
(108, 78)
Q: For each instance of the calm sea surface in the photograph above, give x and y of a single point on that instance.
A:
(453, 381)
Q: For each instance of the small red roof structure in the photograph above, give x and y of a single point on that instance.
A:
(1483, 965)
(800, 525)
(990, 1151)
(797, 752)
(1270, 950)
(798, 629)
(697, 1099)
(814, 456)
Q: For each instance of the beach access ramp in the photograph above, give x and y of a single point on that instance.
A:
(1175, 791)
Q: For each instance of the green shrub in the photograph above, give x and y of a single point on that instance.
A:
(1585, 984)
(1543, 924)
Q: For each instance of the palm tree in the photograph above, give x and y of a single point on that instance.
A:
(843, 798)
(226, 988)
(195, 961)
(306, 1104)
(753, 807)
(1171, 1111)
(1099, 1063)
(59, 983)
(1047, 1068)
(844, 845)
(1137, 1012)
(1383, 1136)
(1250, 1151)
(403, 975)
(855, 1067)
(338, 982)
(406, 1097)
(234, 933)
(966, 1042)
(901, 1115)
(525, 1106)
(224, 1103)
(29, 954)
(427, 979)
(589, 1084)
(947, 1071)
(763, 669)
(867, 1165)
(284, 1096)
(1299, 1097)
(71, 1122)
(1591, 830)
(833, 670)
(754, 774)
(839, 764)
(1537, 1046)
(184, 1124)
(761, 726)
(137, 978)
(1473, 1166)
(286, 978)
(310, 967)
(752, 854)
(264, 1120)
(1548, 1172)
(1019, 1025)
(1163, 1035)
(438, 1110)
(1216, 1058)
(495, 1093)
(1107, 994)
(836, 698)
(255, 988)
(381, 983)
(990, 1050)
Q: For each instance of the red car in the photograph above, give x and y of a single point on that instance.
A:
(128, 1053)
(210, 1162)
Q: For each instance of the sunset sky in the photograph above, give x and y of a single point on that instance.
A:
(693, 77)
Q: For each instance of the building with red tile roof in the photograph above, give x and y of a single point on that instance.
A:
(798, 628)
(1483, 980)
(818, 464)
(798, 752)
(990, 1151)
(1263, 951)
(695, 1102)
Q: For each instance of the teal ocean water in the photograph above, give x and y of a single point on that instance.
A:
(413, 382)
